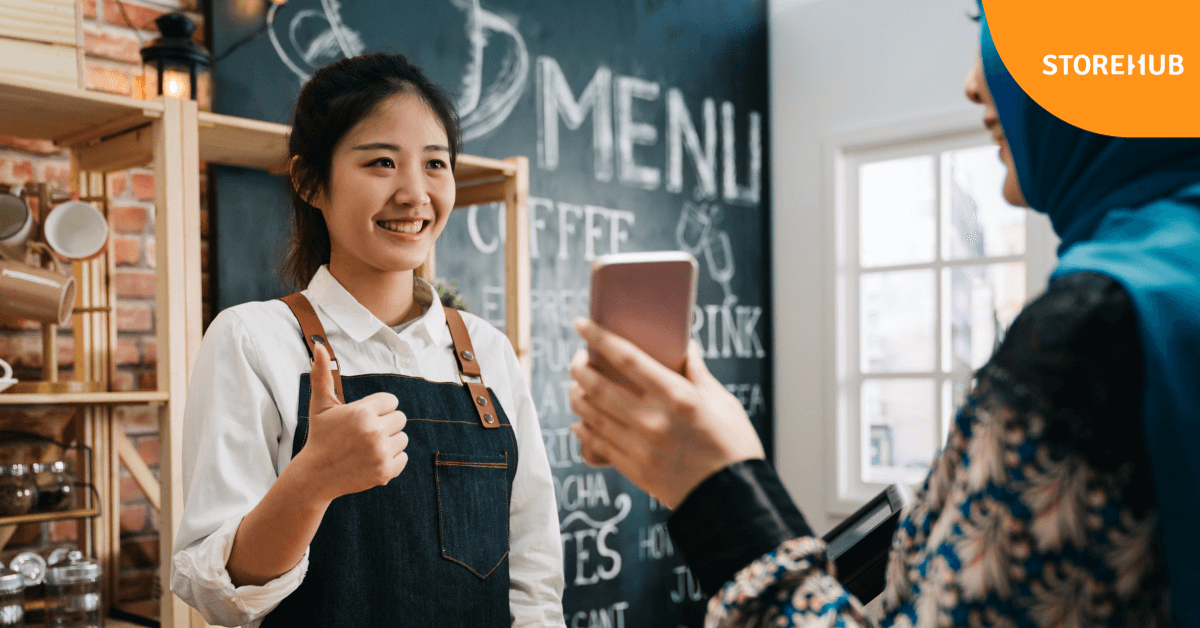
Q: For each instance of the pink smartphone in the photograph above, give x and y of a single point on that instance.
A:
(648, 299)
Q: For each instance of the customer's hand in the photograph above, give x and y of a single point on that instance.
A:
(668, 437)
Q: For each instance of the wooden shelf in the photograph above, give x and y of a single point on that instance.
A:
(32, 517)
(240, 142)
(69, 116)
(109, 398)
(237, 141)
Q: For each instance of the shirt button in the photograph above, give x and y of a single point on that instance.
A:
(406, 363)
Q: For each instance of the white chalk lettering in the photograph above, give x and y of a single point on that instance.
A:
(558, 308)
(750, 396)
(555, 99)
(493, 305)
(735, 328)
(581, 490)
(477, 239)
(607, 617)
(735, 193)
(562, 447)
(614, 123)
(629, 133)
(688, 588)
(680, 133)
(655, 541)
(566, 228)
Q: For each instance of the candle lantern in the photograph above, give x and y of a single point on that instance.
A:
(174, 64)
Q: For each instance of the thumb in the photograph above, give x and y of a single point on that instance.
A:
(324, 395)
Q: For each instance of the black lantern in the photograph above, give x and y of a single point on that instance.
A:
(174, 64)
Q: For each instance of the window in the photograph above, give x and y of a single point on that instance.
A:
(932, 265)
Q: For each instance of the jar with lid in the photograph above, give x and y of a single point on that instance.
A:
(55, 486)
(73, 594)
(12, 599)
(17, 490)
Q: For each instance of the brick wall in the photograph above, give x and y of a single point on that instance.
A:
(113, 64)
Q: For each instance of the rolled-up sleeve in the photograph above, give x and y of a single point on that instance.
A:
(231, 435)
(535, 547)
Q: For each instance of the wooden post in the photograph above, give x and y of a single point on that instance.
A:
(516, 261)
(172, 322)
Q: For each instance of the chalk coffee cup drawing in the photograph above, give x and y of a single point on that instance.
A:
(76, 230)
(16, 225)
(447, 38)
(35, 294)
(7, 380)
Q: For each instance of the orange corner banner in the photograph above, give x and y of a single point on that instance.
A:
(1127, 69)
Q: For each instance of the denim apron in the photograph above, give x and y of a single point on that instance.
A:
(429, 548)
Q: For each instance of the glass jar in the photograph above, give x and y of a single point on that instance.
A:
(55, 486)
(73, 594)
(17, 490)
(12, 600)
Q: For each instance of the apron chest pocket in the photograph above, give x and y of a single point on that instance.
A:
(472, 492)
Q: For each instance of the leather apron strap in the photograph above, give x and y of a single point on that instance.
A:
(468, 366)
(314, 334)
(464, 354)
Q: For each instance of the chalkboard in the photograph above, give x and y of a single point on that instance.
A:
(645, 123)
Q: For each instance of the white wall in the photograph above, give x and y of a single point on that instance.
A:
(837, 66)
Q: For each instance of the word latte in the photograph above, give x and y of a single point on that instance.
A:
(1127, 65)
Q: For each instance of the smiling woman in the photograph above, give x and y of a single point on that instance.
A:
(340, 468)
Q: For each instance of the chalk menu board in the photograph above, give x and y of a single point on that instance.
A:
(645, 124)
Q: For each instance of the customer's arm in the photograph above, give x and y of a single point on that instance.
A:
(687, 441)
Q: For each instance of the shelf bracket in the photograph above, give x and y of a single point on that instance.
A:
(141, 473)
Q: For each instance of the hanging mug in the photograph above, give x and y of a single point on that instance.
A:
(16, 225)
(447, 38)
(36, 294)
(7, 380)
(76, 230)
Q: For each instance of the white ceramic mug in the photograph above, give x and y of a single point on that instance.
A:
(8, 379)
(16, 224)
(76, 230)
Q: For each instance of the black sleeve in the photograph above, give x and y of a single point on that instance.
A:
(731, 519)
(1073, 358)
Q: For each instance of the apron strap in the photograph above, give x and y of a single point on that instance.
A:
(468, 365)
(314, 333)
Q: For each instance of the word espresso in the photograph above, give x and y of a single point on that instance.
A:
(1126, 65)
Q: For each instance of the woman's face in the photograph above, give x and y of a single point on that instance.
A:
(391, 189)
(977, 92)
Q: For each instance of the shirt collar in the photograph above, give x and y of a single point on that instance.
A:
(359, 323)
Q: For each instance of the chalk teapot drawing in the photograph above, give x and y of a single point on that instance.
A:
(313, 33)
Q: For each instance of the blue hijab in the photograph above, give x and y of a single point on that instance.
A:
(1130, 208)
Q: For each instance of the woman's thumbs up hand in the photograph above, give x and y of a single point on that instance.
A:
(351, 446)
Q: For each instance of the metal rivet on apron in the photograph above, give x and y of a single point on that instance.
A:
(468, 356)
(489, 418)
(481, 400)
(318, 339)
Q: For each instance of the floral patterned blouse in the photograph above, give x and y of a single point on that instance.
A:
(1039, 511)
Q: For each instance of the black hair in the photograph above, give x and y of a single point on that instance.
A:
(335, 99)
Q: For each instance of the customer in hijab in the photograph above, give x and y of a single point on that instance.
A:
(1068, 492)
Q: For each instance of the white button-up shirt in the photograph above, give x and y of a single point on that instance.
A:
(240, 420)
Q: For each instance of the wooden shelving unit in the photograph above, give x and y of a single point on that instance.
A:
(152, 397)
(107, 133)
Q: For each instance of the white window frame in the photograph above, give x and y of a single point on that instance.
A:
(843, 153)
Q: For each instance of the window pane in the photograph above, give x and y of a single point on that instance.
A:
(897, 321)
(898, 425)
(978, 304)
(896, 201)
(977, 221)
